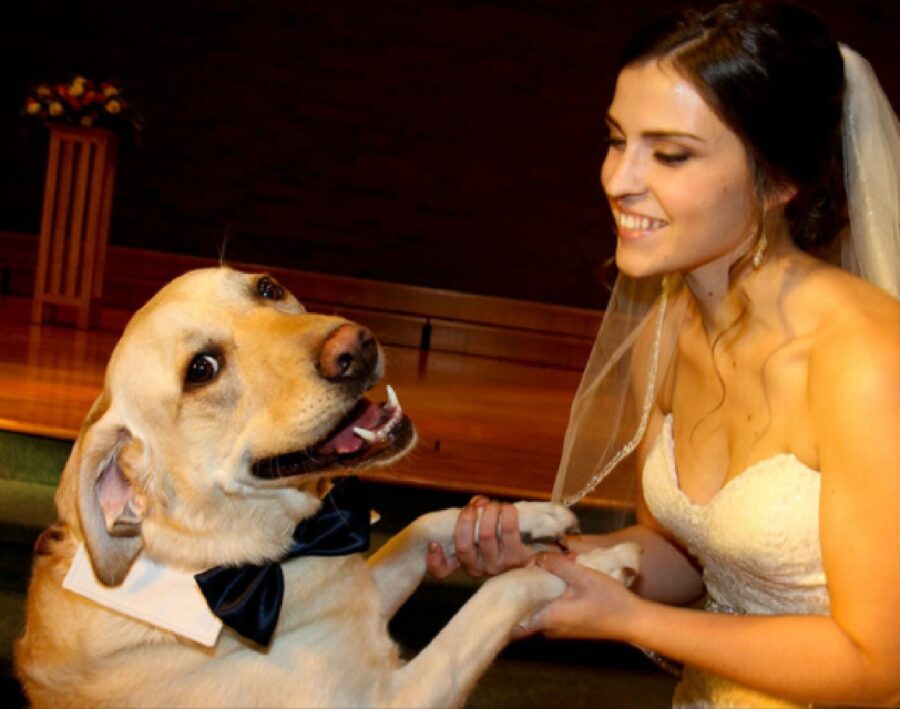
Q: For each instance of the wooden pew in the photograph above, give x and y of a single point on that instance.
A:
(409, 316)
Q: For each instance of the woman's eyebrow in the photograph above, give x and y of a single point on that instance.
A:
(657, 134)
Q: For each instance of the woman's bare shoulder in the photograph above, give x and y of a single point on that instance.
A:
(847, 303)
(855, 353)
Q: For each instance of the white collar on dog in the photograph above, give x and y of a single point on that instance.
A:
(153, 593)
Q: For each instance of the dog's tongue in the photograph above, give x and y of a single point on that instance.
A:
(343, 440)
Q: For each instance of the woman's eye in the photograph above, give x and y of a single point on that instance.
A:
(269, 289)
(203, 368)
(615, 142)
(672, 158)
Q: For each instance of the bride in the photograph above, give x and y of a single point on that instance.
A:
(757, 386)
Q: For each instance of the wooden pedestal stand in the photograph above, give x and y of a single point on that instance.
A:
(78, 193)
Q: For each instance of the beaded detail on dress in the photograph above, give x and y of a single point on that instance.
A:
(757, 540)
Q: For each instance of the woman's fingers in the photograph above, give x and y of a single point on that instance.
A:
(515, 551)
(594, 605)
(467, 551)
(436, 562)
(562, 565)
(489, 544)
(526, 629)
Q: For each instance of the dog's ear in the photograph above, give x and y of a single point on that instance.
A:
(98, 480)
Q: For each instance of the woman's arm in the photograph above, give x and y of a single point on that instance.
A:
(853, 656)
(666, 573)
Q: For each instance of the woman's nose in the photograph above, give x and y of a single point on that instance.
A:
(622, 174)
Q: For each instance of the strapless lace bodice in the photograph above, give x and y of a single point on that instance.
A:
(757, 540)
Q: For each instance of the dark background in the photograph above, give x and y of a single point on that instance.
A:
(442, 143)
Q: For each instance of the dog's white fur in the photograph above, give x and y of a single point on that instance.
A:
(186, 498)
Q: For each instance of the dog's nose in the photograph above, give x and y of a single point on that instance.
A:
(350, 352)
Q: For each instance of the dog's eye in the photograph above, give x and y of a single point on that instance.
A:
(202, 369)
(269, 289)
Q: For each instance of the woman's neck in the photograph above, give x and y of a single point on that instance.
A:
(721, 296)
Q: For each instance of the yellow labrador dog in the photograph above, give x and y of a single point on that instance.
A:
(226, 410)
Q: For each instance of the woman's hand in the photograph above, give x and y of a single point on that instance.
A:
(497, 547)
(593, 605)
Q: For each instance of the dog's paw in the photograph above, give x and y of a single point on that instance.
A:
(530, 585)
(544, 521)
(622, 561)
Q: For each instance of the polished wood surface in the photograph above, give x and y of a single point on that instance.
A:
(49, 375)
(485, 424)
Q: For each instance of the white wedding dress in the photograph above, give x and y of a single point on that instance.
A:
(757, 540)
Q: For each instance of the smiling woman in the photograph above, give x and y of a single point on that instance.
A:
(741, 371)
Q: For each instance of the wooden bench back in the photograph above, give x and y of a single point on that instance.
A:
(404, 315)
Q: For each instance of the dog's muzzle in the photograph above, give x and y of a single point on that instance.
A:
(369, 433)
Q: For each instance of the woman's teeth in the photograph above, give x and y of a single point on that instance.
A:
(634, 222)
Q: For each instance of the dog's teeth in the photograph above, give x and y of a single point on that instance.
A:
(393, 401)
(365, 434)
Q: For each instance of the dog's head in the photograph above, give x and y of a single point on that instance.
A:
(225, 408)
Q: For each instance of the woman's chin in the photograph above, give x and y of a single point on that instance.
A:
(639, 267)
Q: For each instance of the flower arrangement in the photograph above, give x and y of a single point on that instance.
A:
(83, 102)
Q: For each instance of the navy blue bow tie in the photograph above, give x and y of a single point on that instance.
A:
(248, 598)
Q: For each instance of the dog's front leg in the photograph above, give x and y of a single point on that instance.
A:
(444, 673)
(399, 565)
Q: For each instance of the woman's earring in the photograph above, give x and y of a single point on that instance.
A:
(760, 251)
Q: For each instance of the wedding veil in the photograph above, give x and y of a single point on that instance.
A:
(871, 165)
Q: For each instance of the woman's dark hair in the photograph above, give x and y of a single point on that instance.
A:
(774, 75)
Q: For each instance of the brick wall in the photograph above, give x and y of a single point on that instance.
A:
(443, 143)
